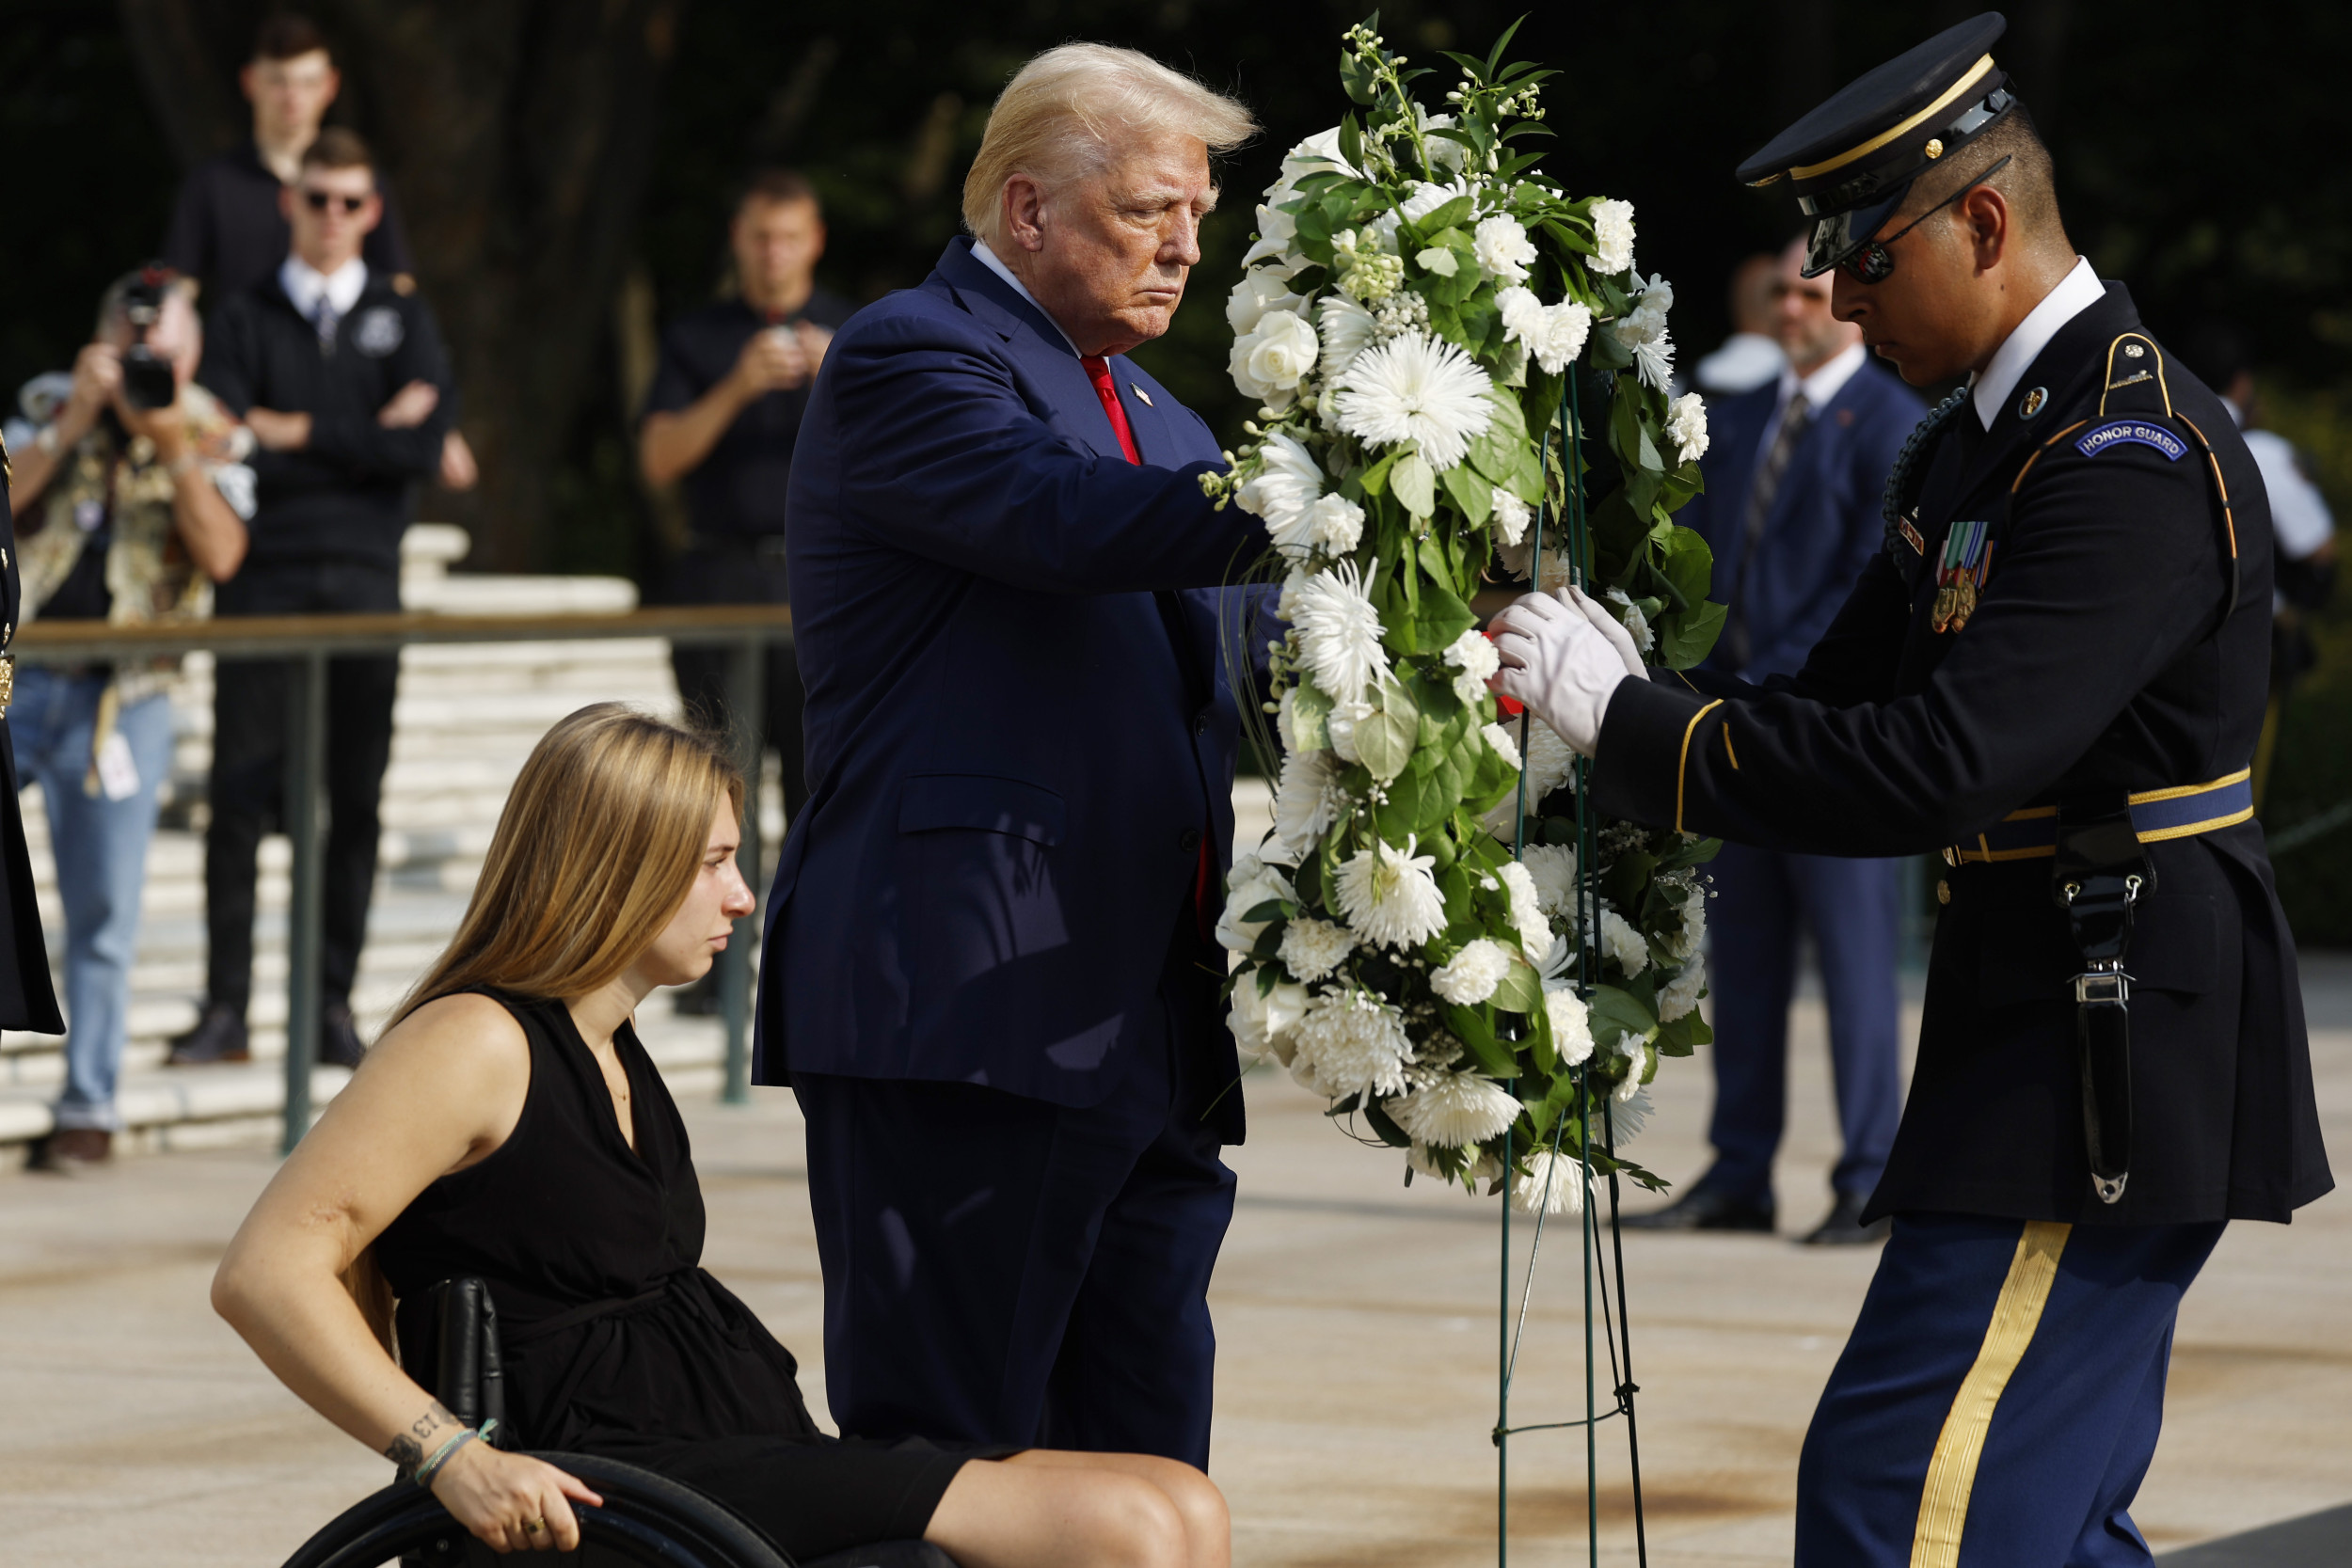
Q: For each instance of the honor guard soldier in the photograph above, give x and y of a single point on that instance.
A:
(27, 1001)
(2053, 672)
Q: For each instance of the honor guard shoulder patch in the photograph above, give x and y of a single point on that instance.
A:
(2099, 438)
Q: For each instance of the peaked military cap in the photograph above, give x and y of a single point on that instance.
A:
(1851, 162)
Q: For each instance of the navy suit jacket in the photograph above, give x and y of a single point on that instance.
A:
(1012, 765)
(1824, 523)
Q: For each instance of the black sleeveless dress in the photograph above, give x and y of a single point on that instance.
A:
(616, 1340)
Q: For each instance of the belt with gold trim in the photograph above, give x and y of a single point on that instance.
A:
(2157, 815)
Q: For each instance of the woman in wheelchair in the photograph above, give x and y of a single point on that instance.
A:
(510, 1125)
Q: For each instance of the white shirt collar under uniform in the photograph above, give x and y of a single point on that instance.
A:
(996, 263)
(306, 285)
(2077, 291)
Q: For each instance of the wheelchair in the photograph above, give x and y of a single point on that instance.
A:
(646, 1519)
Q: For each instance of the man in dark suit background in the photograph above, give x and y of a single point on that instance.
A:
(27, 1000)
(990, 973)
(1794, 478)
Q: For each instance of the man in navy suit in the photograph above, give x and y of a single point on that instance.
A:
(1794, 477)
(990, 973)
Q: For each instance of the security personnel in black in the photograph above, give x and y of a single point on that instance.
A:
(2053, 672)
(27, 1001)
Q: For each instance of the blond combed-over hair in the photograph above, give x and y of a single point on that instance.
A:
(1062, 114)
(595, 851)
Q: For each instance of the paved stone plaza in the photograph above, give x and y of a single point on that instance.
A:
(1357, 1322)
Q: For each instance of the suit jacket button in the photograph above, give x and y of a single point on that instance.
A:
(1190, 841)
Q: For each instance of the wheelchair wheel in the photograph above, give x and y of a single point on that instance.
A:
(646, 1519)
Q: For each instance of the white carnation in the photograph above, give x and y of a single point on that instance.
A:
(1554, 1184)
(1572, 1023)
(1553, 867)
(1686, 425)
(1334, 525)
(1251, 883)
(1554, 334)
(1512, 515)
(1350, 1043)
(1286, 603)
(1470, 975)
(1283, 490)
(1348, 329)
(1505, 748)
(1474, 656)
(1682, 992)
(1262, 1023)
(1260, 289)
(1686, 939)
(1267, 362)
(1417, 388)
(1314, 949)
(1621, 941)
(1307, 801)
(1455, 1112)
(1612, 237)
(1339, 633)
(1503, 248)
(1645, 1065)
(1391, 896)
(1636, 624)
(1527, 911)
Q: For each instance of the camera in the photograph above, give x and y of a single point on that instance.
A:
(148, 378)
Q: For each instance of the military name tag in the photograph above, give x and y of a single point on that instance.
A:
(1960, 577)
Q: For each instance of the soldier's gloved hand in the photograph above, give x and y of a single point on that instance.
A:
(1555, 662)
(1609, 627)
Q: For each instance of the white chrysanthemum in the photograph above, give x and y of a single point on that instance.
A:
(1260, 289)
(1251, 882)
(1572, 1023)
(1268, 360)
(1636, 624)
(1554, 334)
(1339, 632)
(1334, 525)
(1621, 941)
(1553, 867)
(1314, 949)
(1686, 426)
(1554, 1184)
(1471, 975)
(1627, 1116)
(1682, 992)
(1285, 485)
(1505, 748)
(1348, 329)
(1425, 198)
(1503, 248)
(1305, 802)
(1417, 388)
(1512, 515)
(1351, 1043)
(1262, 1023)
(1653, 357)
(1340, 725)
(1612, 237)
(1456, 1110)
(1391, 896)
(1474, 656)
(1686, 938)
(1527, 911)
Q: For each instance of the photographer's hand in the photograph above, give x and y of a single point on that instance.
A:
(96, 382)
(771, 360)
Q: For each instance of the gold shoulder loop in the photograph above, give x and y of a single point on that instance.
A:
(2132, 361)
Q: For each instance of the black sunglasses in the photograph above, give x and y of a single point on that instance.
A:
(320, 201)
(1875, 263)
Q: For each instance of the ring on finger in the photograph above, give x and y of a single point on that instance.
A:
(536, 1527)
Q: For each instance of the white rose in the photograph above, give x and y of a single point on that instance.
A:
(1275, 230)
(1251, 883)
(1268, 361)
(1317, 153)
(1262, 1023)
(1260, 289)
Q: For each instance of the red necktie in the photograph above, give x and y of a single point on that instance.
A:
(1098, 372)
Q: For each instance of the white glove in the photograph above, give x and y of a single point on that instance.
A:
(1559, 665)
(1609, 627)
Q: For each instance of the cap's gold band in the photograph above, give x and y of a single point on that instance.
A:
(1951, 95)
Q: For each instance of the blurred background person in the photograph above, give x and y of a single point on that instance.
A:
(2303, 527)
(133, 497)
(1751, 357)
(343, 382)
(227, 230)
(1794, 477)
(723, 416)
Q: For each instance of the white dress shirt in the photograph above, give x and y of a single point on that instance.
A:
(305, 286)
(996, 263)
(1825, 383)
(2077, 291)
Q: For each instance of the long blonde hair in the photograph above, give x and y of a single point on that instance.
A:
(595, 850)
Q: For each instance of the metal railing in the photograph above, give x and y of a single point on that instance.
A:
(305, 643)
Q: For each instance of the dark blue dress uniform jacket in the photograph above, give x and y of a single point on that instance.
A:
(2105, 654)
(27, 999)
(1010, 770)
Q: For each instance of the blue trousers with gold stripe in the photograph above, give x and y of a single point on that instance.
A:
(1999, 1399)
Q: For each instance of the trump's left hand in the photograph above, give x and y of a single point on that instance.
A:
(1557, 662)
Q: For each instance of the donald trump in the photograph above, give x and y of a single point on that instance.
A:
(989, 972)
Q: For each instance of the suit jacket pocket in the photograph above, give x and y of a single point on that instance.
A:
(983, 801)
(2028, 955)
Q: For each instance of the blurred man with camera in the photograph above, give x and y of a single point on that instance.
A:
(344, 383)
(132, 494)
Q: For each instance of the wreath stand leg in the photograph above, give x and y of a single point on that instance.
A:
(1613, 1334)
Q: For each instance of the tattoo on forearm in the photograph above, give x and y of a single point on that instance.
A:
(408, 1450)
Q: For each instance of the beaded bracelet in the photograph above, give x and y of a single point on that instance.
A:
(431, 1467)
